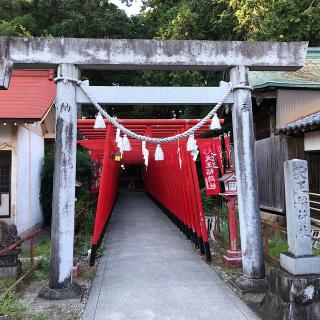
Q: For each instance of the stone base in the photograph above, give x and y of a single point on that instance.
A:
(300, 265)
(247, 285)
(291, 297)
(232, 259)
(9, 271)
(72, 292)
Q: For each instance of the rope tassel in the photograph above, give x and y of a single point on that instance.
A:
(192, 143)
(215, 123)
(118, 137)
(126, 143)
(99, 123)
(146, 157)
(158, 156)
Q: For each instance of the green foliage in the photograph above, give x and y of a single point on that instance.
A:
(43, 269)
(67, 18)
(46, 183)
(43, 248)
(5, 283)
(84, 175)
(40, 316)
(85, 219)
(12, 28)
(277, 243)
(10, 307)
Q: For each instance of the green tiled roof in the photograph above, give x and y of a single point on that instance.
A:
(306, 77)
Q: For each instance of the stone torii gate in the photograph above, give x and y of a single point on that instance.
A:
(73, 55)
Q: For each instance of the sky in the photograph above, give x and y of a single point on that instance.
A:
(134, 9)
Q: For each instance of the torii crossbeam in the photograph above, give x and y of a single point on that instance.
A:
(73, 55)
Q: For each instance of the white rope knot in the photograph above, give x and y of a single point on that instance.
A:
(67, 79)
(239, 86)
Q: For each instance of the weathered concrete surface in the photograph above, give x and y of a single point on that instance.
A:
(152, 54)
(5, 73)
(300, 265)
(118, 95)
(298, 207)
(291, 297)
(149, 271)
(299, 259)
(247, 183)
(63, 200)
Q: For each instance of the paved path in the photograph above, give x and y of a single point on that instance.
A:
(149, 271)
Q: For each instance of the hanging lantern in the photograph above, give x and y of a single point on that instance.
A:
(99, 123)
(118, 156)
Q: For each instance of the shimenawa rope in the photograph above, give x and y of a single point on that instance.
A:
(130, 133)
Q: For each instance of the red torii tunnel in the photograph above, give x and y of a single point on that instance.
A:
(173, 188)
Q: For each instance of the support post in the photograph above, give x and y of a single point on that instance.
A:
(63, 200)
(232, 258)
(6, 68)
(248, 197)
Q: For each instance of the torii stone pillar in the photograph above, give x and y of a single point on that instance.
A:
(63, 200)
(247, 184)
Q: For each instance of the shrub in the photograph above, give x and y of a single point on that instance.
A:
(84, 175)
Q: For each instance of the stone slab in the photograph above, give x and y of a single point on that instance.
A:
(150, 271)
(9, 271)
(298, 207)
(300, 265)
(152, 54)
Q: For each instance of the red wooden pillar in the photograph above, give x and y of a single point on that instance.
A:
(233, 256)
(101, 213)
(200, 210)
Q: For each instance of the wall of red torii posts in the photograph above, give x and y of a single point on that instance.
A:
(175, 190)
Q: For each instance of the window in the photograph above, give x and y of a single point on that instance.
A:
(232, 186)
(5, 173)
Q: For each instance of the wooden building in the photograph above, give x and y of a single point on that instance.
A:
(286, 111)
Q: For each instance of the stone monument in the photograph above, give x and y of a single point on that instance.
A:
(9, 262)
(294, 288)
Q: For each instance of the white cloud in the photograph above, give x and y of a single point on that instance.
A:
(134, 9)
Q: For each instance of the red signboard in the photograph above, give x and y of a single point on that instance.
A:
(218, 149)
(209, 166)
(228, 150)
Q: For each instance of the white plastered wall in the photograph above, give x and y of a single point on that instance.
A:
(30, 153)
(312, 141)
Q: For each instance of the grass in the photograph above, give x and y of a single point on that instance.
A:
(232, 273)
(40, 250)
(43, 248)
(40, 316)
(6, 283)
(277, 244)
(10, 307)
(42, 270)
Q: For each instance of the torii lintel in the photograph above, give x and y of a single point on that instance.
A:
(102, 54)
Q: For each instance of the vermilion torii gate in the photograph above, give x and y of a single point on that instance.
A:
(172, 183)
(72, 55)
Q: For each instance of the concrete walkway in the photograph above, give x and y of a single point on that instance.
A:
(150, 271)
